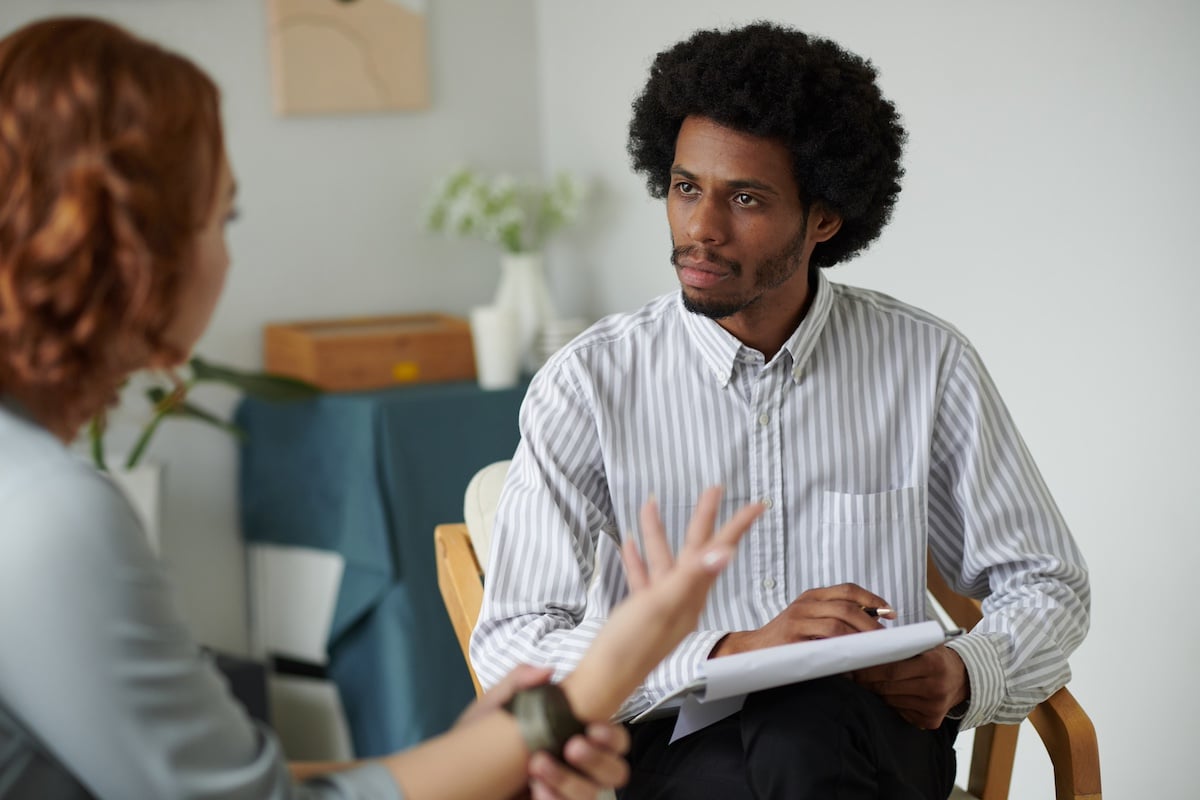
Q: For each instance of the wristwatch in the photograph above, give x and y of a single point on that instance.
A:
(545, 718)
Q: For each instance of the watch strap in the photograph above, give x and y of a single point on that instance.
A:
(545, 718)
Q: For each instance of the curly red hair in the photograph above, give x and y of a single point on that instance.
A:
(109, 153)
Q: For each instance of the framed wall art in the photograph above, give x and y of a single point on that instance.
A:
(348, 56)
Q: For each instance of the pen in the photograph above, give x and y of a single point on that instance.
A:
(876, 612)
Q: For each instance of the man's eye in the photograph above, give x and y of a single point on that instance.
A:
(683, 187)
(744, 199)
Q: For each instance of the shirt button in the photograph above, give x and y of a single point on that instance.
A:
(768, 502)
(763, 419)
(768, 583)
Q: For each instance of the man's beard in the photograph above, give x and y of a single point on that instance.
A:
(773, 271)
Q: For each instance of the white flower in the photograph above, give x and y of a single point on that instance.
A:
(518, 215)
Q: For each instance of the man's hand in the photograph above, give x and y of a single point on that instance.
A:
(922, 688)
(815, 614)
(595, 758)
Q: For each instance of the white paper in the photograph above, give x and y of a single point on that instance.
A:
(726, 681)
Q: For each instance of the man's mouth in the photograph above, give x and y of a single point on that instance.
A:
(703, 275)
(700, 269)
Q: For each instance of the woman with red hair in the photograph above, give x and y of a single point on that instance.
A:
(114, 194)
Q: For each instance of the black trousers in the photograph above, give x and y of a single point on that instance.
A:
(827, 739)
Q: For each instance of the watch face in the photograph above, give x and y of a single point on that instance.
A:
(545, 718)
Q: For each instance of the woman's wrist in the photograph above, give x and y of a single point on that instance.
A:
(545, 718)
(589, 699)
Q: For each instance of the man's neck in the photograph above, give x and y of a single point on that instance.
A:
(767, 324)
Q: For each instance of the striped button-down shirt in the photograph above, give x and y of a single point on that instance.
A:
(873, 436)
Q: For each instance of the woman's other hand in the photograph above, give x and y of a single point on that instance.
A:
(594, 760)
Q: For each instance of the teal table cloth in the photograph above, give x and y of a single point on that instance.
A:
(369, 475)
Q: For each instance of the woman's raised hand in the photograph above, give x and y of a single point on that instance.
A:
(667, 594)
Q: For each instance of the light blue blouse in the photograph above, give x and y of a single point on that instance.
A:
(102, 690)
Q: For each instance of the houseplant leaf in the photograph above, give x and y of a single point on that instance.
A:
(257, 384)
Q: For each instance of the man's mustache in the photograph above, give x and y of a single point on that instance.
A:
(699, 253)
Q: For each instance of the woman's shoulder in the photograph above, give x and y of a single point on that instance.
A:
(52, 502)
(38, 470)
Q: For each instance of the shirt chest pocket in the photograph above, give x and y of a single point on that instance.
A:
(877, 541)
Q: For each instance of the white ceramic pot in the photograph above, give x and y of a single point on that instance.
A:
(523, 289)
(495, 339)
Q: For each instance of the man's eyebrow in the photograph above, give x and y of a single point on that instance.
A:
(743, 183)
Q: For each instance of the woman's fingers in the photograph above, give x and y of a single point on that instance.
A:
(523, 676)
(704, 518)
(732, 531)
(720, 551)
(715, 551)
(654, 540)
(635, 568)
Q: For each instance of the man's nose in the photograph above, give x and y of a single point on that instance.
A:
(708, 223)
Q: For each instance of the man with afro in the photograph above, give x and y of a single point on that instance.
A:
(869, 429)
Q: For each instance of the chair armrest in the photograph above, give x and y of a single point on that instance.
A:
(461, 583)
(1065, 728)
(1070, 739)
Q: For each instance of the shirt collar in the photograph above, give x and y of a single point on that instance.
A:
(804, 339)
(719, 348)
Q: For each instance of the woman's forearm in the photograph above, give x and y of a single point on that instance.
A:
(303, 770)
(483, 759)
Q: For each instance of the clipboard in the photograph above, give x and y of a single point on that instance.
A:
(723, 683)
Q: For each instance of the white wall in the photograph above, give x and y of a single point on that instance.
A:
(1048, 210)
(330, 225)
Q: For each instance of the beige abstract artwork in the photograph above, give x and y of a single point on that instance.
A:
(348, 56)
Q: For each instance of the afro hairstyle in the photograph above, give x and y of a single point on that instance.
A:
(820, 101)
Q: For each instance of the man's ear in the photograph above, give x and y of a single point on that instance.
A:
(822, 223)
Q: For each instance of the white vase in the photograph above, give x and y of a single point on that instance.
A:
(523, 289)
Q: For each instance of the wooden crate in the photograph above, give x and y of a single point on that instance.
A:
(371, 352)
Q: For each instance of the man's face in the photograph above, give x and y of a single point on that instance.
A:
(738, 228)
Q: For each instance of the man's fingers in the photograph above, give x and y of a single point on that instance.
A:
(800, 630)
(814, 617)
(848, 592)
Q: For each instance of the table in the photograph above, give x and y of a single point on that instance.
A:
(369, 475)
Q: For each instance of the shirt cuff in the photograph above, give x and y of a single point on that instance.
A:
(980, 654)
(678, 669)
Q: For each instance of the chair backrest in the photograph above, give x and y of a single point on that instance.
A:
(1065, 729)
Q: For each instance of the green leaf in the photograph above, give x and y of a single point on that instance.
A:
(188, 410)
(96, 437)
(257, 384)
(162, 408)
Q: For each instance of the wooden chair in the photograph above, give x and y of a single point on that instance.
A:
(1064, 727)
